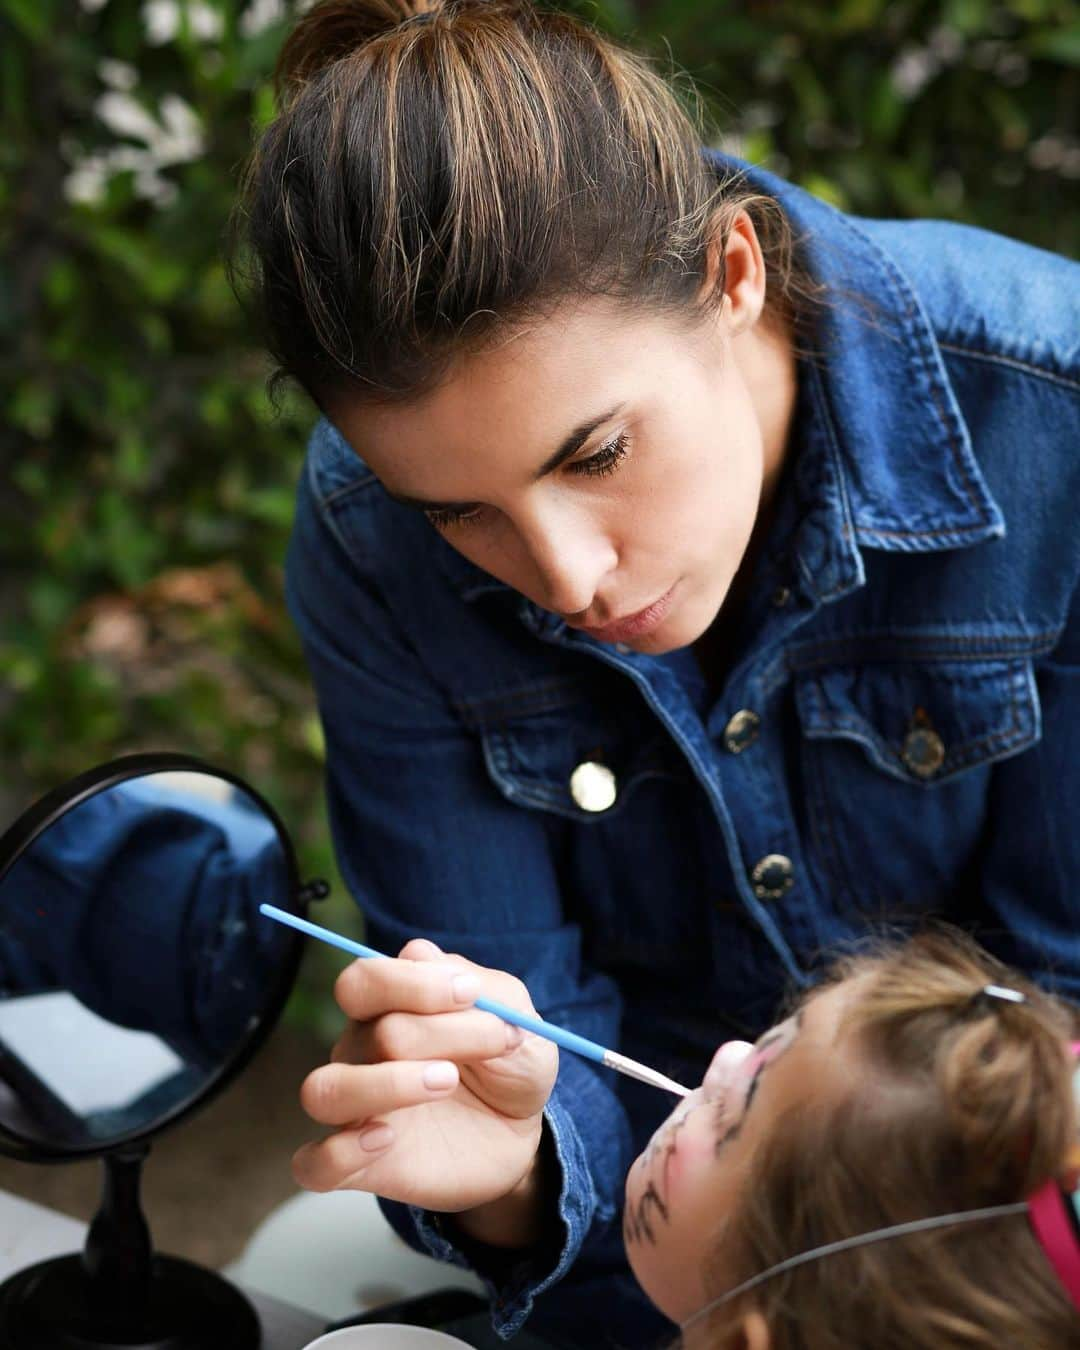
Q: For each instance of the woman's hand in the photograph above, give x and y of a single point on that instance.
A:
(433, 1102)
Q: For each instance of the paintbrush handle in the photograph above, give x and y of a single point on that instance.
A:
(567, 1040)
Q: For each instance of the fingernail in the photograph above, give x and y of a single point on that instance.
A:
(440, 1076)
(378, 1137)
(466, 988)
(430, 948)
(514, 1036)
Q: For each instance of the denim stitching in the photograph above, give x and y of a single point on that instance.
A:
(894, 648)
(554, 695)
(346, 489)
(824, 407)
(1026, 367)
(910, 311)
(940, 532)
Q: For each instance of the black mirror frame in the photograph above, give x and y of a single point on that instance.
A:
(56, 803)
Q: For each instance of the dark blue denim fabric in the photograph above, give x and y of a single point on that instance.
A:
(914, 603)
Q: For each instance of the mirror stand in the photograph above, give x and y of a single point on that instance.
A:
(117, 1294)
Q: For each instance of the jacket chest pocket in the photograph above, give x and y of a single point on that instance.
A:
(621, 807)
(897, 762)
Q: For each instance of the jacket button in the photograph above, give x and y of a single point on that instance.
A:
(741, 731)
(773, 876)
(923, 751)
(592, 786)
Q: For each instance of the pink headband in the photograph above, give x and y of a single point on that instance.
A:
(1055, 1217)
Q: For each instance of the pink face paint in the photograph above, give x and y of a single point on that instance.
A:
(736, 1063)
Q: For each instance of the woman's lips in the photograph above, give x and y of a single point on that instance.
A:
(634, 625)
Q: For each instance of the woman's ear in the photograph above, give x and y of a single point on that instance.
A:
(735, 267)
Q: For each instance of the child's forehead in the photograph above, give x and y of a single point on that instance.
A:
(826, 1006)
(823, 1041)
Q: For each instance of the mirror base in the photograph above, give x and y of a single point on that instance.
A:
(47, 1307)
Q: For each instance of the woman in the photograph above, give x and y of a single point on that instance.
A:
(685, 571)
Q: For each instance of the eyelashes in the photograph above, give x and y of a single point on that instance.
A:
(443, 519)
(606, 461)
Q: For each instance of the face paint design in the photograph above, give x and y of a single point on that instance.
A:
(650, 1204)
(725, 1095)
(694, 1171)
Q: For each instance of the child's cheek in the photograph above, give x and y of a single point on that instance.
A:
(691, 1159)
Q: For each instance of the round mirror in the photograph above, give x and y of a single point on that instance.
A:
(135, 969)
(136, 978)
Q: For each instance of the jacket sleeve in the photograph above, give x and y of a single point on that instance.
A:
(428, 847)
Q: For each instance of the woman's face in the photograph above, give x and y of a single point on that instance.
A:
(690, 1174)
(609, 466)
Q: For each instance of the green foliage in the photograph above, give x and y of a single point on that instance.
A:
(148, 490)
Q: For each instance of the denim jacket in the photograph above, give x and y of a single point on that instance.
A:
(897, 735)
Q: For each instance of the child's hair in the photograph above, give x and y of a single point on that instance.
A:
(437, 171)
(958, 1101)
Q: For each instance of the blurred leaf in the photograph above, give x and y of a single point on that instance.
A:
(885, 109)
(825, 188)
(31, 16)
(1056, 44)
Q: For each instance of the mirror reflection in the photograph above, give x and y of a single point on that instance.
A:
(133, 961)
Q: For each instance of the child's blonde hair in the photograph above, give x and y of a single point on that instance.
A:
(962, 1102)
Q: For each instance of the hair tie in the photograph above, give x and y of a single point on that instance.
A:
(990, 994)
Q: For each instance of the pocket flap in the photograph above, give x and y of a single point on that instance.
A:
(533, 749)
(924, 724)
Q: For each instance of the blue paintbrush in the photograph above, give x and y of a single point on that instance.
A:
(568, 1040)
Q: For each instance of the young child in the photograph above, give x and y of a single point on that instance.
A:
(891, 1166)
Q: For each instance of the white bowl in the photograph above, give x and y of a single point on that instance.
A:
(387, 1336)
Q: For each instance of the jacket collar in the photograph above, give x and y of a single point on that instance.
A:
(900, 473)
(902, 448)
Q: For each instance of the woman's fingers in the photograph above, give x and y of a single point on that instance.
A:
(467, 1037)
(422, 980)
(343, 1094)
(423, 949)
(370, 987)
(326, 1164)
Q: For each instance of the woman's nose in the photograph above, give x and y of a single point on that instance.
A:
(721, 1072)
(571, 557)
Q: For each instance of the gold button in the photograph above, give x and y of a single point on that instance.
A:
(741, 731)
(923, 751)
(592, 786)
(773, 876)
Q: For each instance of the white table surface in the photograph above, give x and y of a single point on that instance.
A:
(31, 1233)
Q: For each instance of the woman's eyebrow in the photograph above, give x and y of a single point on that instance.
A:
(570, 443)
(575, 440)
